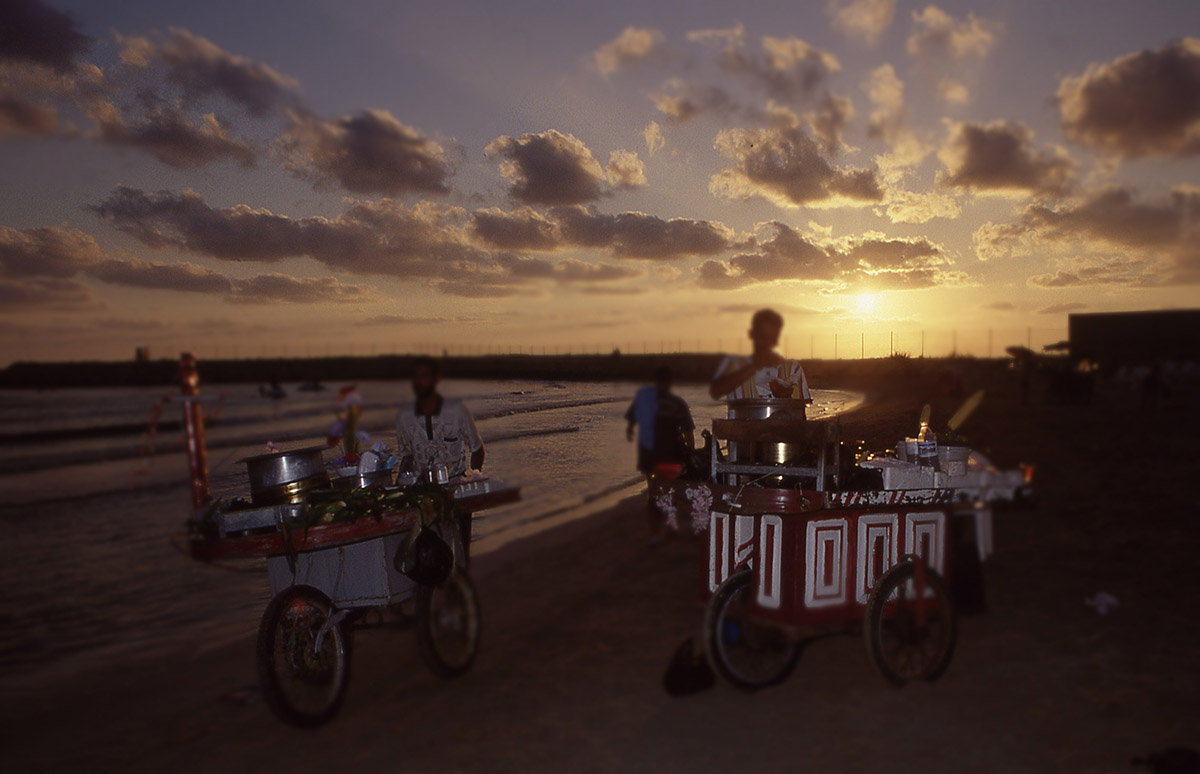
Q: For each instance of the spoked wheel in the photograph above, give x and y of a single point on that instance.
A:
(910, 625)
(449, 624)
(748, 654)
(303, 657)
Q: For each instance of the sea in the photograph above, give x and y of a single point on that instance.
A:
(95, 492)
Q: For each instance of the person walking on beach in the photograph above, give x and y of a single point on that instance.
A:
(766, 373)
(665, 435)
(434, 430)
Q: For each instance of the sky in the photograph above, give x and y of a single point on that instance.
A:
(365, 176)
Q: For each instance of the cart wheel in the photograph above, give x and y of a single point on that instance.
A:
(449, 625)
(910, 633)
(747, 654)
(302, 684)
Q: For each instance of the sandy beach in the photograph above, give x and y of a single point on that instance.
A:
(580, 622)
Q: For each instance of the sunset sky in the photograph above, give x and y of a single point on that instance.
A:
(312, 177)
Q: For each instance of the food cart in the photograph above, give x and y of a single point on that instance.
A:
(803, 542)
(338, 551)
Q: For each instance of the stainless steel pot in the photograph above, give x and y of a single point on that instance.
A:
(286, 477)
(765, 409)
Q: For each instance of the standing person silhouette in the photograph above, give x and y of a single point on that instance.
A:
(665, 435)
(766, 373)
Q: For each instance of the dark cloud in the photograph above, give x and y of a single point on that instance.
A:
(51, 251)
(638, 235)
(681, 101)
(1141, 104)
(370, 152)
(22, 116)
(201, 69)
(783, 164)
(1001, 156)
(749, 309)
(1063, 308)
(465, 289)
(384, 237)
(789, 255)
(1000, 306)
(46, 294)
(548, 168)
(572, 270)
(31, 31)
(187, 277)
(1156, 241)
(520, 229)
(402, 319)
(171, 137)
(274, 288)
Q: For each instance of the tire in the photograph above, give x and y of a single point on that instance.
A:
(905, 644)
(302, 686)
(449, 624)
(750, 656)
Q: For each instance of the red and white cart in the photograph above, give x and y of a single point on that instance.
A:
(327, 576)
(793, 553)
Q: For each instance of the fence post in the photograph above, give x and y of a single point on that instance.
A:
(835, 346)
(922, 343)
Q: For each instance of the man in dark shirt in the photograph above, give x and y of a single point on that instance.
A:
(665, 434)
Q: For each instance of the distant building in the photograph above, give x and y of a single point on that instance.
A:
(1136, 338)
(141, 355)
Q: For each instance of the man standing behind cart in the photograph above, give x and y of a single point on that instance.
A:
(665, 435)
(766, 373)
(434, 430)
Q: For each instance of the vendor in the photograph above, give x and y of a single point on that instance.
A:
(434, 430)
(766, 373)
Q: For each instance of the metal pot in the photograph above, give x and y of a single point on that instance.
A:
(765, 409)
(286, 477)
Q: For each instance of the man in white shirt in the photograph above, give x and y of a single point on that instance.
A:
(766, 373)
(434, 430)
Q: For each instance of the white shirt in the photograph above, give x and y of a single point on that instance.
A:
(759, 384)
(445, 438)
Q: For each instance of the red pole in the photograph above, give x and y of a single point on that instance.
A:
(193, 429)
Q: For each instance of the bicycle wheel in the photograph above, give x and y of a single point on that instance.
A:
(449, 624)
(748, 654)
(303, 661)
(910, 625)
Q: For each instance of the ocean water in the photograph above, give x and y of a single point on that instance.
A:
(90, 506)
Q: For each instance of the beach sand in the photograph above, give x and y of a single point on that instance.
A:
(581, 621)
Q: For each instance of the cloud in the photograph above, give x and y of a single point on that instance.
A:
(634, 44)
(51, 251)
(867, 259)
(653, 136)
(548, 168)
(911, 207)
(784, 165)
(201, 69)
(1001, 156)
(625, 171)
(465, 289)
(885, 90)
(862, 19)
(370, 152)
(31, 31)
(22, 116)
(681, 101)
(46, 294)
(639, 235)
(1063, 308)
(953, 91)
(752, 308)
(1154, 242)
(786, 68)
(186, 277)
(1001, 306)
(403, 319)
(273, 288)
(572, 270)
(521, 229)
(171, 137)
(937, 34)
(1140, 104)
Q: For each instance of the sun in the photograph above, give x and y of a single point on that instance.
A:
(864, 303)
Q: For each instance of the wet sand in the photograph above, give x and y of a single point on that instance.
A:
(581, 621)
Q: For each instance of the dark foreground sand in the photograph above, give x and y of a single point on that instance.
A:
(580, 623)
